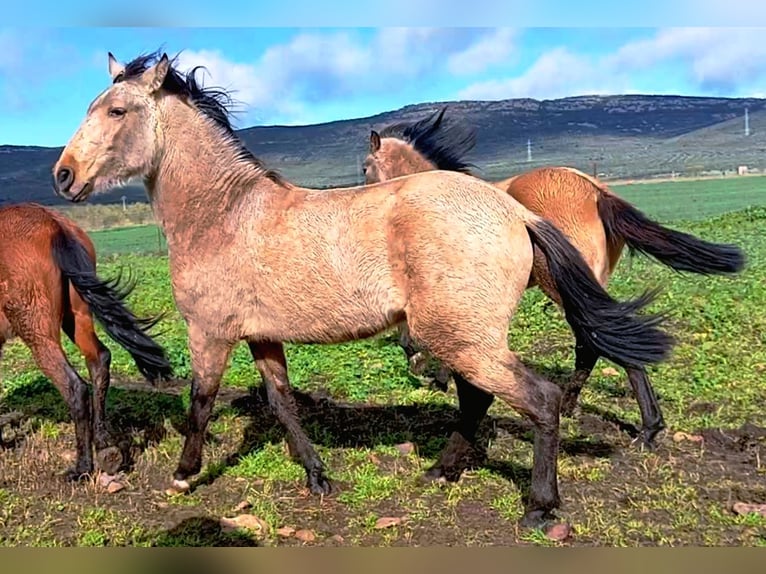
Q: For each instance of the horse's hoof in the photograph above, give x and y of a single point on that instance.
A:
(109, 459)
(178, 487)
(646, 440)
(434, 475)
(319, 485)
(537, 519)
(77, 474)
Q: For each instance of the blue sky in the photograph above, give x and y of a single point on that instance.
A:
(308, 75)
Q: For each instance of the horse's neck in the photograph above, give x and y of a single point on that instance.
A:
(201, 180)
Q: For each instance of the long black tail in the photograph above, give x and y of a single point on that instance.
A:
(678, 250)
(106, 300)
(611, 328)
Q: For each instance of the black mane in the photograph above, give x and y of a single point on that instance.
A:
(444, 144)
(215, 103)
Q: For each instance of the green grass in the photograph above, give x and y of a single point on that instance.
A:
(675, 496)
(695, 200)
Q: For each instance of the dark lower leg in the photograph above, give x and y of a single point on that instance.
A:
(80, 408)
(49, 356)
(585, 360)
(209, 358)
(539, 400)
(651, 414)
(543, 493)
(79, 327)
(99, 374)
(272, 365)
(460, 451)
(203, 393)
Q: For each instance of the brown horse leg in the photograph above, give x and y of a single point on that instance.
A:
(651, 415)
(208, 357)
(51, 360)
(78, 325)
(585, 360)
(460, 451)
(652, 421)
(271, 363)
(538, 400)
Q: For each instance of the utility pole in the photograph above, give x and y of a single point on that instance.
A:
(529, 150)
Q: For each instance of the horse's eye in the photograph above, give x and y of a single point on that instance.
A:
(116, 112)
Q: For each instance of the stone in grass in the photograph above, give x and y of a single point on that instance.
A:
(405, 448)
(286, 531)
(559, 532)
(388, 522)
(246, 522)
(746, 508)
(305, 535)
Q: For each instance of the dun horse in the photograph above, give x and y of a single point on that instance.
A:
(596, 221)
(48, 282)
(255, 258)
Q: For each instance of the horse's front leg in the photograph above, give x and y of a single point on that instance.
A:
(272, 365)
(208, 358)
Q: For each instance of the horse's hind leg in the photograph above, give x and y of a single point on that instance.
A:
(651, 415)
(652, 421)
(78, 325)
(50, 358)
(537, 399)
(272, 365)
(461, 450)
(585, 360)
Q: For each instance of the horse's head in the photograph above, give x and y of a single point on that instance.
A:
(119, 138)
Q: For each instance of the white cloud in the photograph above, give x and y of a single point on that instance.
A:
(289, 78)
(727, 61)
(719, 59)
(493, 48)
(557, 73)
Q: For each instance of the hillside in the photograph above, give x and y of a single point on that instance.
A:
(626, 136)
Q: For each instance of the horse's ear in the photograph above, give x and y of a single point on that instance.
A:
(153, 77)
(374, 141)
(440, 116)
(115, 68)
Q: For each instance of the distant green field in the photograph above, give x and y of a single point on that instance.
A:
(135, 239)
(695, 200)
(664, 201)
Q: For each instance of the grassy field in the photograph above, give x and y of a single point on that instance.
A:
(378, 427)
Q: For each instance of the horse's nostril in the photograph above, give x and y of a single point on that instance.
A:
(64, 178)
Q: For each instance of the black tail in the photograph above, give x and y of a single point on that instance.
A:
(680, 251)
(610, 327)
(106, 300)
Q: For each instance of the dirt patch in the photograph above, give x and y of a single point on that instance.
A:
(612, 491)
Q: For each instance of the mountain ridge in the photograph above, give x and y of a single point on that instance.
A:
(633, 135)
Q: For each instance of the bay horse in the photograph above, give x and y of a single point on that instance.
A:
(48, 283)
(254, 258)
(596, 220)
